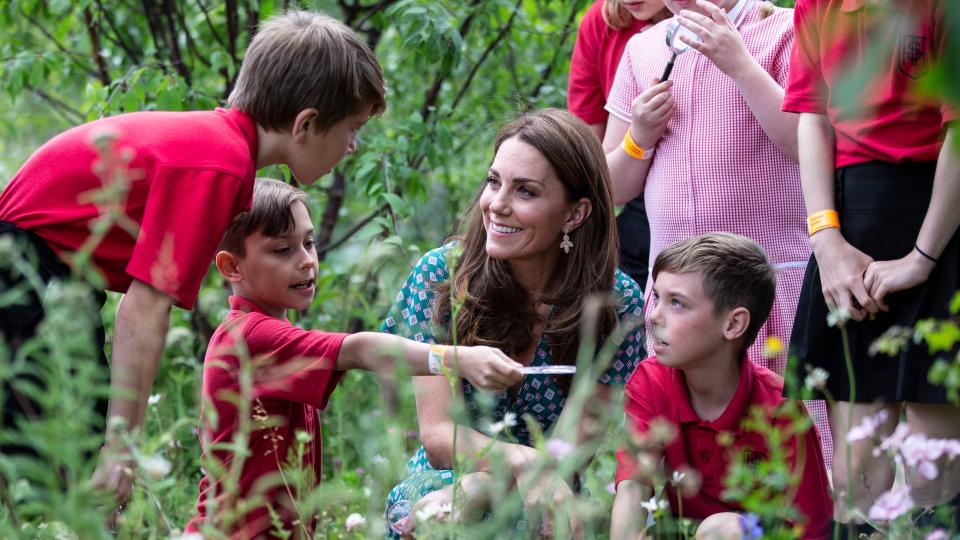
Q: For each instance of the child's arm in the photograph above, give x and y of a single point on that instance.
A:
(142, 319)
(723, 45)
(841, 265)
(629, 519)
(484, 367)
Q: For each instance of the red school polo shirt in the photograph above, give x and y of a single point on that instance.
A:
(876, 112)
(190, 174)
(593, 66)
(656, 391)
(292, 383)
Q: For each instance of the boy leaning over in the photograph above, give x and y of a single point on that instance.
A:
(269, 258)
(711, 295)
(307, 83)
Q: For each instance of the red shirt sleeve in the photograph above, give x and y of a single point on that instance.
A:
(184, 218)
(293, 364)
(585, 96)
(638, 417)
(806, 90)
(813, 493)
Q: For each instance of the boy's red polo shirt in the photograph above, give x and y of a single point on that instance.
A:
(876, 111)
(657, 391)
(292, 384)
(190, 173)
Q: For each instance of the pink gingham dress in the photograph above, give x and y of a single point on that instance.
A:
(716, 170)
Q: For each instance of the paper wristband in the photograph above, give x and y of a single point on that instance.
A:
(824, 219)
(435, 359)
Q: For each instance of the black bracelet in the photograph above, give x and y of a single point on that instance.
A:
(920, 251)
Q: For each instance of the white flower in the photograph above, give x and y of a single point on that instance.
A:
(838, 317)
(891, 505)
(433, 510)
(612, 488)
(676, 478)
(937, 534)
(154, 399)
(190, 536)
(559, 448)
(653, 505)
(378, 460)
(816, 379)
(509, 420)
(895, 440)
(156, 466)
(866, 427)
(354, 522)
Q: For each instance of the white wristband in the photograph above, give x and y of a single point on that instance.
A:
(435, 359)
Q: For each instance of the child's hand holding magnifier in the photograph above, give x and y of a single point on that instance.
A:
(719, 39)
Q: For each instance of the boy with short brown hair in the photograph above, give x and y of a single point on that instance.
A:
(307, 85)
(269, 258)
(711, 294)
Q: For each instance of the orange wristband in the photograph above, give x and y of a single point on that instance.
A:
(633, 149)
(824, 219)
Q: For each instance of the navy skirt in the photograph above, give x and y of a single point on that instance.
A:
(881, 207)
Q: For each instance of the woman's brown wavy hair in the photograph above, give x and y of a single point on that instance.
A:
(497, 311)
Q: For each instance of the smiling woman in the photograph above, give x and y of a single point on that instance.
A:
(537, 241)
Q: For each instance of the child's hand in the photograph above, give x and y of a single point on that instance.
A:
(842, 268)
(650, 112)
(719, 40)
(487, 368)
(884, 277)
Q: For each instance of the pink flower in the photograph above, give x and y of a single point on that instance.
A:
(891, 505)
(866, 428)
(612, 488)
(937, 534)
(559, 448)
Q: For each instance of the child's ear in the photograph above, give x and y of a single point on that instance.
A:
(738, 320)
(580, 212)
(303, 124)
(228, 265)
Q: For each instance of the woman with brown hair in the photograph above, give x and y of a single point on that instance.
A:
(538, 240)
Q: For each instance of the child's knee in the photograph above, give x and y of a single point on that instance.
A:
(722, 526)
(932, 492)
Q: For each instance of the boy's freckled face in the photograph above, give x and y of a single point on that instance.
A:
(279, 273)
(684, 327)
(322, 150)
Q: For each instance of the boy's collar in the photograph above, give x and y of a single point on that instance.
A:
(239, 303)
(732, 417)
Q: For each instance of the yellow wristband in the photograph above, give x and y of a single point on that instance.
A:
(824, 219)
(633, 149)
(435, 360)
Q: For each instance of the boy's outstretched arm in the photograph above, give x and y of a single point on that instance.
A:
(628, 518)
(484, 367)
(141, 330)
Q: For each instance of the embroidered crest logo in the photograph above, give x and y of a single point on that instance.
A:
(913, 56)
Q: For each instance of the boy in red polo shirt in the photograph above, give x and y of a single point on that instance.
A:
(712, 294)
(269, 259)
(307, 83)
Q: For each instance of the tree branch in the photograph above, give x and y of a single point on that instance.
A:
(118, 38)
(504, 30)
(324, 249)
(102, 72)
(548, 69)
(71, 115)
(70, 54)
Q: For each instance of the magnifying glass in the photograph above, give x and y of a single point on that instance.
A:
(674, 31)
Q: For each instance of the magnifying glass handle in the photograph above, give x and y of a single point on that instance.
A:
(669, 68)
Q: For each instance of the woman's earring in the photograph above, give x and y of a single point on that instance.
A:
(566, 244)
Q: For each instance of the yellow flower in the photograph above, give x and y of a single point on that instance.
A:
(773, 347)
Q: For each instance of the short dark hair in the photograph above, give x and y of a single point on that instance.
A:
(734, 271)
(305, 59)
(270, 215)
